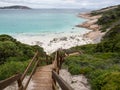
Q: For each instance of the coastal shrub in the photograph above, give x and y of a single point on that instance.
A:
(17, 58)
(11, 68)
(5, 37)
(110, 42)
(107, 81)
(85, 70)
(89, 48)
(94, 66)
(10, 49)
(100, 62)
(109, 18)
(14, 56)
(74, 69)
(39, 49)
(7, 49)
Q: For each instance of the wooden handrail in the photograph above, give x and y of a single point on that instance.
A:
(29, 65)
(61, 82)
(58, 60)
(34, 60)
(7, 82)
(56, 78)
(20, 77)
(34, 68)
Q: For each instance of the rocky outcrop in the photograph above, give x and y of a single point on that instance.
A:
(91, 23)
(15, 7)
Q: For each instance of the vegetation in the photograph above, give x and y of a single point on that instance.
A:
(109, 18)
(100, 62)
(96, 67)
(14, 56)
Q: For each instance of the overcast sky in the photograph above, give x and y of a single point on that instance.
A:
(61, 3)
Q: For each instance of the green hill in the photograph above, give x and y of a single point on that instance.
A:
(15, 56)
(100, 62)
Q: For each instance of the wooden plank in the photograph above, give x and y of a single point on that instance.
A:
(43, 78)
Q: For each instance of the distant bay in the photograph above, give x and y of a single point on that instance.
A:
(38, 21)
(49, 28)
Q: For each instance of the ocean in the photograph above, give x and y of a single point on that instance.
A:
(48, 28)
(38, 21)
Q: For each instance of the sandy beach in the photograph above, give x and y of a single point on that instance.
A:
(53, 41)
(87, 33)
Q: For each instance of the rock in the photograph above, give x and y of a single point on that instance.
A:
(55, 39)
(63, 39)
(39, 43)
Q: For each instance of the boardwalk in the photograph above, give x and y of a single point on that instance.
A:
(43, 78)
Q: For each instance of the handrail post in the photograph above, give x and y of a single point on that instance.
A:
(57, 62)
(57, 58)
(47, 59)
(20, 86)
(38, 59)
(51, 60)
(61, 61)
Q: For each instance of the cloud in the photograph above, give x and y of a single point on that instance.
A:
(61, 3)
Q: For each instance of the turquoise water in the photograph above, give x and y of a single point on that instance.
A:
(38, 21)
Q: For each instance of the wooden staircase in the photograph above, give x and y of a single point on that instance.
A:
(43, 77)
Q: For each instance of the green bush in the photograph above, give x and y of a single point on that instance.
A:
(10, 49)
(107, 81)
(109, 18)
(11, 68)
(14, 56)
(100, 62)
(85, 70)
(74, 69)
(94, 66)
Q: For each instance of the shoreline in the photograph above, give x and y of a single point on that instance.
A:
(52, 42)
(95, 35)
(88, 33)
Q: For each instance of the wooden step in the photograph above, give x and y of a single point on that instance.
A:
(42, 78)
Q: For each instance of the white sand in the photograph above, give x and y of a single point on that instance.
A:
(52, 42)
(77, 82)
